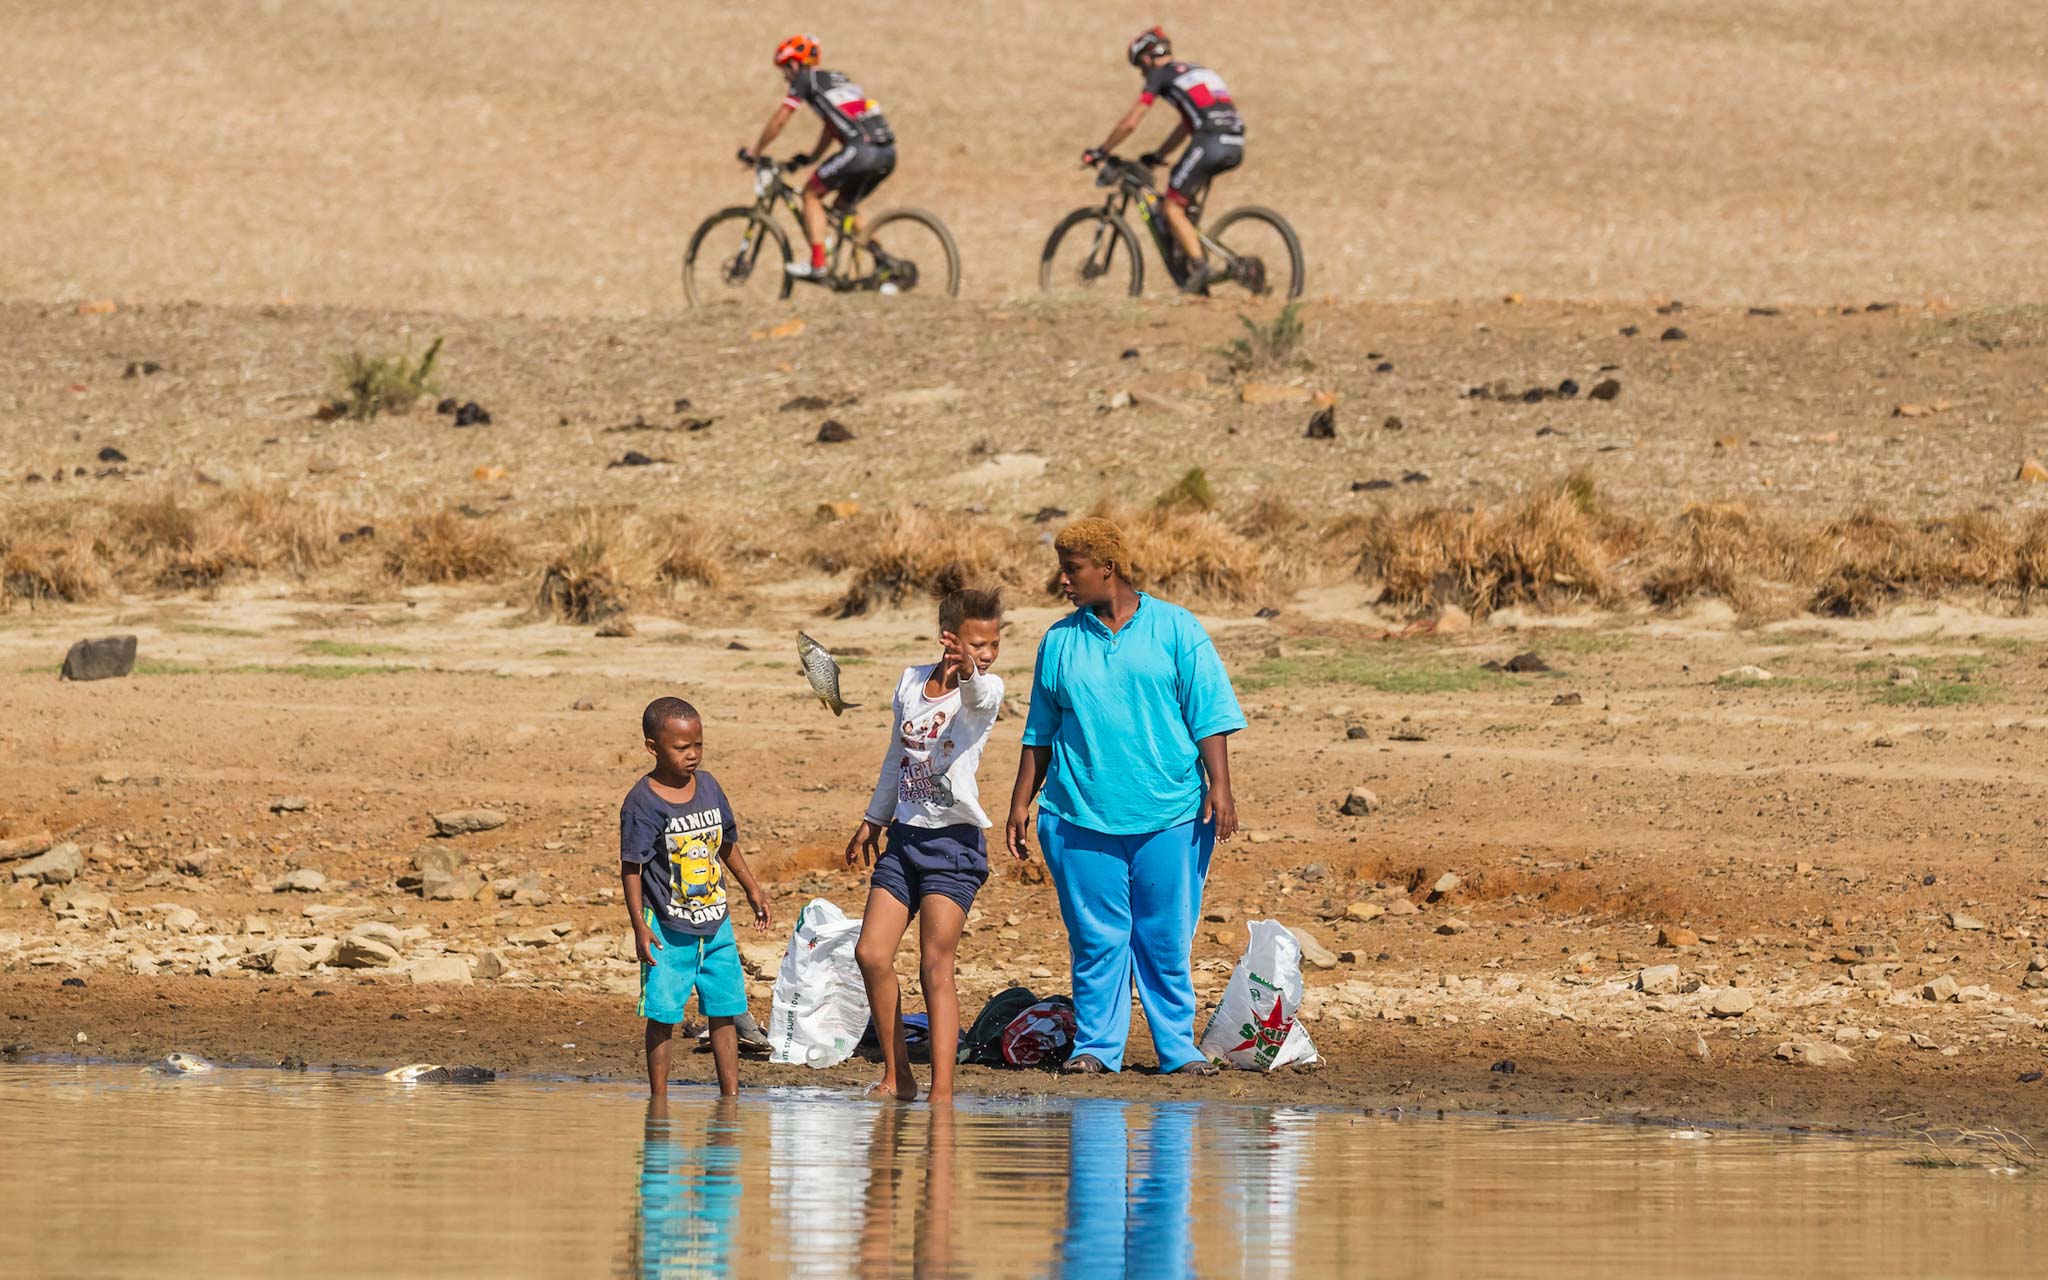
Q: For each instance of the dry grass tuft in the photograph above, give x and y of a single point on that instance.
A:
(689, 552)
(1195, 557)
(447, 546)
(368, 385)
(45, 557)
(1717, 549)
(595, 572)
(897, 554)
(1547, 549)
(1868, 561)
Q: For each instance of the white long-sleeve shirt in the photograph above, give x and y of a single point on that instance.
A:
(934, 749)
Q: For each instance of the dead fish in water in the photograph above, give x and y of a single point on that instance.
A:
(429, 1073)
(823, 673)
(184, 1064)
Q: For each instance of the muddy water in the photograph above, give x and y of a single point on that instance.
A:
(119, 1172)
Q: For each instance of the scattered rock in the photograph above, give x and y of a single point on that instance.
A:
(1357, 733)
(1391, 423)
(1218, 915)
(1313, 953)
(833, 431)
(106, 658)
(1445, 883)
(1415, 477)
(452, 888)
(1732, 1003)
(26, 846)
(1877, 975)
(618, 627)
(1943, 990)
(490, 965)
(1745, 675)
(359, 952)
(110, 454)
(1658, 979)
(1675, 936)
(472, 414)
(1605, 389)
(431, 970)
(1903, 675)
(462, 822)
(1813, 1053)
(840, 509)
(2032, 472)
(1363, 911)
(762, 956)
(1371, 486)
(1452, 926)
(633, 458)
(300, 880)
(1272, 393)
(1966, 923)
(61, 865)
(290, 804)
(436, 862)
(1322, 425)
(1359, 802)
(539, 936)
(1506, 1066)
(141, 369)
(1673, 334)
(1525, 664)
(1567, 700)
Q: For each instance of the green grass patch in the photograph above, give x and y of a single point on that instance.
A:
(201, 629)
(320, 670)
(347, 649)
(1430, 676)
(554, 653)
(1931, 694)
(1562, 640)
(168, 669)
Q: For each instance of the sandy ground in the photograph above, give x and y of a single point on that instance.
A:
(1786, 824)
(554, 157)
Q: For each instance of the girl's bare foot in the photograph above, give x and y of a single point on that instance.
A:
(940, 1098)
(905, 1092)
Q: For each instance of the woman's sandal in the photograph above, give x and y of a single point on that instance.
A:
(1199, 1067)
(1085, 1065)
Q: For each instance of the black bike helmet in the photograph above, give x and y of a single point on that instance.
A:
(1150, 41)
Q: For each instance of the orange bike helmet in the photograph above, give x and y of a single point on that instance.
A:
(802, 50)
(1150, 41)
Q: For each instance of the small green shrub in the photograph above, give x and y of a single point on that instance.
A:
(1189, 493)
(1277, 345)
(374, 384)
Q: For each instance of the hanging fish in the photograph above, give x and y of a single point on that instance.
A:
(823, 673)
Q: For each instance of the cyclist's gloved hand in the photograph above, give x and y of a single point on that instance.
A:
(800, 159)
(1152, 159)
(1092, 156)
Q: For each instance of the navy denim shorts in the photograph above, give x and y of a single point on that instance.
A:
(949, 861)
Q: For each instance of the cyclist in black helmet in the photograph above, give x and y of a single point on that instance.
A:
(1210, 122)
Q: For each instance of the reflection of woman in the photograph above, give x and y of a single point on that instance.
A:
(1113, 1228)
(1131, 713)
(688, 1208)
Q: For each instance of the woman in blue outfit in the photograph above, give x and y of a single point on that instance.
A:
(1131, 713)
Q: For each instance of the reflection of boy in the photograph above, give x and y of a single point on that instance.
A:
(675, 828)
(688, 1208)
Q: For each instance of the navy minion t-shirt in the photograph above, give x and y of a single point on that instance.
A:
(677, 848)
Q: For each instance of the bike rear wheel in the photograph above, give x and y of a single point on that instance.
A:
(737, 255)
(1265, 253)
(908, 251)
(1091, 253)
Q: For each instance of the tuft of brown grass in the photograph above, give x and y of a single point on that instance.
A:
(1871, 560)
(595, 571)
(895, 555)
(689, 552)
(1723, 550)
(1195, 557)
(46, 557)
(447, 546)
(1546, 549)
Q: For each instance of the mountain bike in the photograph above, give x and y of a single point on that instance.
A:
(1259, 251)
(738, 253)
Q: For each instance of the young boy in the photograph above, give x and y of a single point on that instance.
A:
(928, 802)
(675, 827)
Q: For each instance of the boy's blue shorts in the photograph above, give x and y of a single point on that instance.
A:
(686, 962)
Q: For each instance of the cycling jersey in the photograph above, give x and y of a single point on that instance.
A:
(1199, 94)
(843, 105)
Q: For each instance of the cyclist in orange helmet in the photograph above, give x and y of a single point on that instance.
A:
(1208, 119)
(867, 146)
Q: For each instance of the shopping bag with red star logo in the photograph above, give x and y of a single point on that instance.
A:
(1254, 1026)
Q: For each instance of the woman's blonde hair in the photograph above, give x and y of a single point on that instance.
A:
(1097, 539)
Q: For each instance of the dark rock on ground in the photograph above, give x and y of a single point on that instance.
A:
(833, 431)
(111, 454)
(1673, 334)
(1323, 424)
(102, 659)
(1370, 486)
(1605, 389)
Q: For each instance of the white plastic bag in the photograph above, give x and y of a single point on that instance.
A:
(821, 1006)
(1254, 1026)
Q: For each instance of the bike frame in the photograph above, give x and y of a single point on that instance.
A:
(770, 189)
(1133, 187)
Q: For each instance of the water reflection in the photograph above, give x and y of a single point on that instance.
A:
(688, 1211)
(266, 1174)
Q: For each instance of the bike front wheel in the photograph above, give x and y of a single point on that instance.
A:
(1091, 253)
(1264, 252)
(910, 251)
(737, 255)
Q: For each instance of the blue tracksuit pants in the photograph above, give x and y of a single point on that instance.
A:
(1130, 904)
